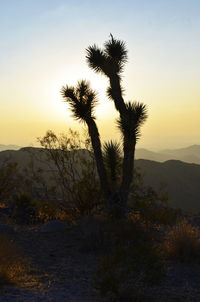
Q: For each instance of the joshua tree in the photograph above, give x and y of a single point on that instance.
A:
(82, 100)
(110, 62)
(112, 161)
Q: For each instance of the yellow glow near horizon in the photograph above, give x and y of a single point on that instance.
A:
(43, 50)
(33, 113)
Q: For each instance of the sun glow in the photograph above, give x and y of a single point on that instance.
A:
(44, 50)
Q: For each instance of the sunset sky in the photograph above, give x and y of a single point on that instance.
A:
(42, 48)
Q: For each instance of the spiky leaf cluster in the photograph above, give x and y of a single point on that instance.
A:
(112, 158)
(82, 100)
(132, 119)
(116, 51)
(110, 60)
(111, 93)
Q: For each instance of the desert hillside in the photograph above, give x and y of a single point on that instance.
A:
(179, 179)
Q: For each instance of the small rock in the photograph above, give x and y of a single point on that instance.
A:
(5, 228)
(54, 226)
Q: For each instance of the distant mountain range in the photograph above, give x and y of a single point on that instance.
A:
(190, 154)
(181, 179)
(9, 147)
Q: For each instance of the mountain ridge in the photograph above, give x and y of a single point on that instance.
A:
(190, 154)
(181, 179)
(9, 147)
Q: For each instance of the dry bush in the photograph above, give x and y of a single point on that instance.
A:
(9, 179)
(94, 234)
(100, 233)
(151, 205)
(129, 263)
(72, 168)
(182, 242)
(54, 211)
(12, 264)
(47, 211)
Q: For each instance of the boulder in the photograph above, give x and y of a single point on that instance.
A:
(54, 226)
(6, 228)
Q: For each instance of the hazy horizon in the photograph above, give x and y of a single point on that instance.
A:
(43, 48)
(153, 149)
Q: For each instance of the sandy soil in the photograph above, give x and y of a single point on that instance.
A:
(60, 272)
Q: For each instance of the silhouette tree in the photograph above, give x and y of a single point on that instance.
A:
(109, 61)
(112, 161)
(82, 100)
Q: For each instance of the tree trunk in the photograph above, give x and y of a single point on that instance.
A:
(117, 94)
(128, 168)
(96, 144)
(129, 146)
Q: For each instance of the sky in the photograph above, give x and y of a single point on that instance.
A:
(42, 48)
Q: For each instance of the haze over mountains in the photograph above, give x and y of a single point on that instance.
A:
(181, 179)
(189, 154)
(9, 147)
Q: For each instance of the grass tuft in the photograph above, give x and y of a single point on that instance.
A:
(12, 264)
(182, 242)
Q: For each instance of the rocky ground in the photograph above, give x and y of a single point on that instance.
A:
(57, 272)
(60, 272)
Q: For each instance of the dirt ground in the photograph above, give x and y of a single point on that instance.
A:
(59, 271)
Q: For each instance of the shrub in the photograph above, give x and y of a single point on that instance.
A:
(129, 262)
(54, 211)
(182, 242)
(72, 170)
(12, 265)
(94, 235)
(23, 209)
(152, 206)
(9, 179)
(100, 233)
(127, 269)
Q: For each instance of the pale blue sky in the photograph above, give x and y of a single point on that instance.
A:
(42, 47)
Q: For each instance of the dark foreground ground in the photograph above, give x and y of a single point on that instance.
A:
(60, 272)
